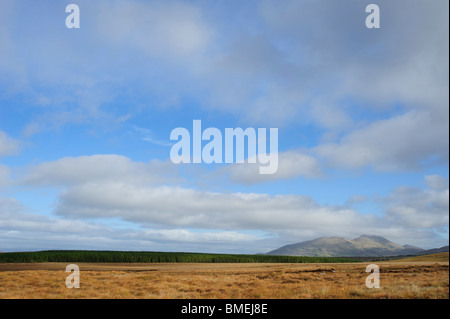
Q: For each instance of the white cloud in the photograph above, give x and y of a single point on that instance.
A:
(107, 188)
(4, 176)
(402, 65)
(267, 68)
(70, 76)
(186, 236)
(12, 71)
(416, 208)
(329, 116)
(436, 182)
(8, 146)
(291, 164)
(177, 29)
(5, 38)
(398, 143)
(405, 60)
(111, 186)
(22, 230)
(291, 217)
(182, 207)
(95, 168)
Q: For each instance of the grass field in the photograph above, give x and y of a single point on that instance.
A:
(426, 278)
(427, 258)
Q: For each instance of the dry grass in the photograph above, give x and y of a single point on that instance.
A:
(219, 281)
(440, 257)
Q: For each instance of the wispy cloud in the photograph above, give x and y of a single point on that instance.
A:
(148, 136)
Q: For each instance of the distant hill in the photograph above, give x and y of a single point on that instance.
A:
(362, 246)
(443, 249)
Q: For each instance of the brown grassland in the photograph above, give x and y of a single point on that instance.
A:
(422, 277)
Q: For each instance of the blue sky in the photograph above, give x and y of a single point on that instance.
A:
(86, 115)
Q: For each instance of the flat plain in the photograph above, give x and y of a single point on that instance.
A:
(424, 277)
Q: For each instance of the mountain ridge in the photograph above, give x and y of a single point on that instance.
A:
(362, 246)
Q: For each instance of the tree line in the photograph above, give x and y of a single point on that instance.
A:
(90, 256)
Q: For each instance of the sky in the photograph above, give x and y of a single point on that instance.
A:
(86, 116)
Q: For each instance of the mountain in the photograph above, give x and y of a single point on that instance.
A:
(362, 246)
(443, 249)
